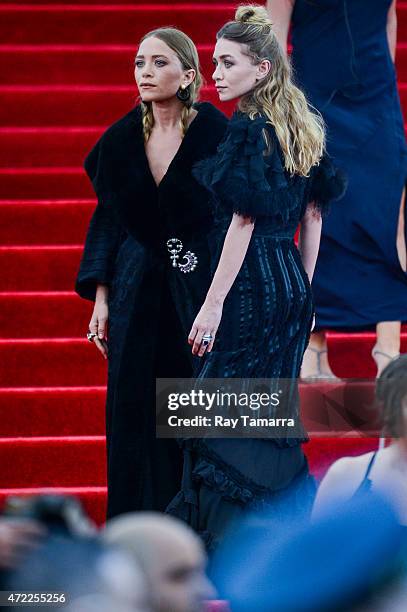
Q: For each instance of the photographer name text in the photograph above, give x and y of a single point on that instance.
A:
(243, 420)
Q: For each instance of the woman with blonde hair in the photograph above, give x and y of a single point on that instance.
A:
(146, 260)
(270, 173)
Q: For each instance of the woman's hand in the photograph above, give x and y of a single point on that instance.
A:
(98, 325)
(234, 250)
(206, 321)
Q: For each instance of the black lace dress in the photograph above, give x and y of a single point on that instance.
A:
(264, 329)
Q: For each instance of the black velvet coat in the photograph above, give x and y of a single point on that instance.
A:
(152, 305)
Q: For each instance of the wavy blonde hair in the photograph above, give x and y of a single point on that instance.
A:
(299, 127)
(187, 54)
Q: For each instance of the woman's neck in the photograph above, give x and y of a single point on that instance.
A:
(167, 114)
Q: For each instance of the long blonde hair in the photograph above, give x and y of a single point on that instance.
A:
(187, 53)
(299, 127)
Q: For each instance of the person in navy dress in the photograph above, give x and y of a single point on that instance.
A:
(343, 54)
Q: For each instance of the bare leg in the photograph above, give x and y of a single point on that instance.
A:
(401, 237)
(315, 362)
(388, 332)
(387, 345)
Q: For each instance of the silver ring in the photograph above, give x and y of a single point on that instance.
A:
(90, 336)
(206, 338)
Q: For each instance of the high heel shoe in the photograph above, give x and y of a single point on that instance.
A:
(319, 375)
(376, 351)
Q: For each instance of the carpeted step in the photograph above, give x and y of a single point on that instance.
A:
(65, 23)
(59, 23)
(327, 410)
(53, 461)
(41, 222)
(403, 97)
(74, 105)
(44, 183)
(62, 362)
(39, 268)
(350, 353)
(86, 64)
(30, 147)
(401, 61)
(75, 362)
(53, 314)
(322, 452)
(46, 314)
(52, 411)
(62, 105)
(77, 64)
(93, 499)
(59, 461)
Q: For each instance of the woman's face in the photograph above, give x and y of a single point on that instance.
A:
(158, 71)
(235, 74)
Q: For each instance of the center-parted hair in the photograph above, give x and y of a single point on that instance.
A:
(299, 127)
(187, 54)
(391, 396)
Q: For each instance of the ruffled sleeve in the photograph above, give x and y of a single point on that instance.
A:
(327, 184)
(103, 235)
(242, 178)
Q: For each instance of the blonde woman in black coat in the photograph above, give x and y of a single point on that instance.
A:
(146, 260)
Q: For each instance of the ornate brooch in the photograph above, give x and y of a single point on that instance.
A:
(174, 246)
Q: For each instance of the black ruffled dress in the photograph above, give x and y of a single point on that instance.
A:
(264, 329)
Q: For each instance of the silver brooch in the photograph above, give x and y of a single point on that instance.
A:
(174, 246)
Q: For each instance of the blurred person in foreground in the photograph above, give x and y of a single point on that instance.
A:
(17, 538)
(384, 469)
(91, 576)
(351, 560)
(170, 554)
(27, 522)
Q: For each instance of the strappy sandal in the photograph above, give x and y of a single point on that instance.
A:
(319, 375)
(391, 358)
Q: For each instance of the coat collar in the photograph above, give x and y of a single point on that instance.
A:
(128, 180)
(202, 134)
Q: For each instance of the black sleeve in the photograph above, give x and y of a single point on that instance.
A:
(104, 232)
(327, 184)
(244, 175)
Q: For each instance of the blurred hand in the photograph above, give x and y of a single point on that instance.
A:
(17, 538)
(98, 325)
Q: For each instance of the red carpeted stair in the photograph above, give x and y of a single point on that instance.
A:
(66, 72)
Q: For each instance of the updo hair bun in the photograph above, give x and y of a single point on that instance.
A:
(253, 14)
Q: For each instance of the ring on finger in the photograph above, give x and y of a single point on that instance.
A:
(91, 336)
(206, 339)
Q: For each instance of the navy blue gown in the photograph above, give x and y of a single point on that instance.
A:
(264, 328)
(341, 58)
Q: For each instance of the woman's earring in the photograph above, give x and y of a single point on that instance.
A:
(183, 93)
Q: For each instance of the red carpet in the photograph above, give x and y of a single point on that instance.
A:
(66, 72)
